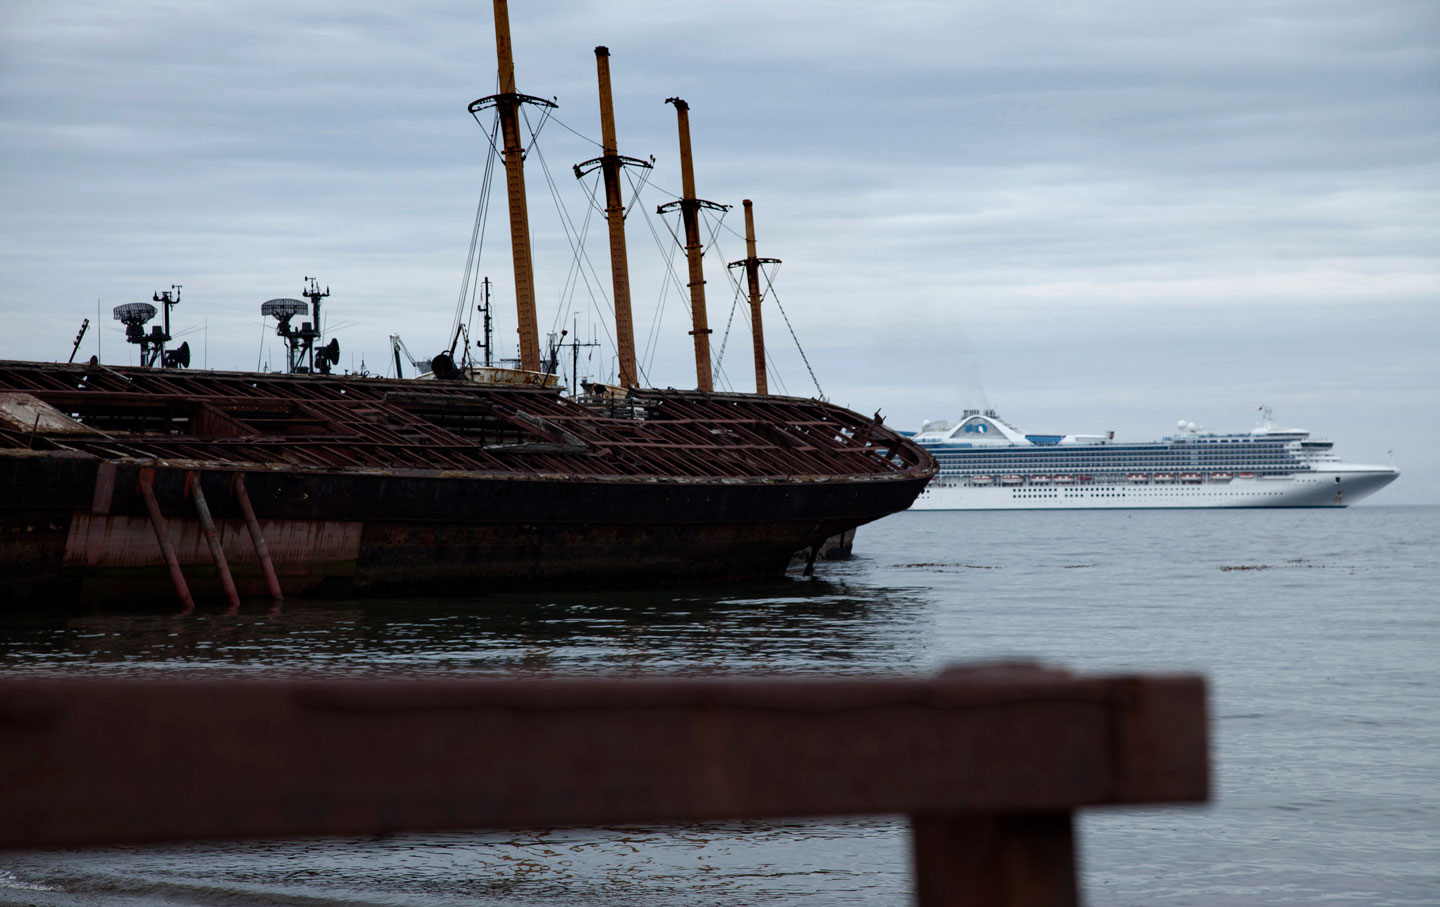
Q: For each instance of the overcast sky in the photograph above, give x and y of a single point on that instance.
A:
(1089, 215)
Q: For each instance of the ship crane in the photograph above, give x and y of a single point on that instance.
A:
(399, 349)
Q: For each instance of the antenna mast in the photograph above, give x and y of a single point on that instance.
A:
(84, 326)
(752, 273)
(301, 354)
(507, 105)
(486, 327)
(610, 163)
(168, 300)
(690, 207)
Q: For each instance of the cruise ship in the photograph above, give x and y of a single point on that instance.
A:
(988, 464)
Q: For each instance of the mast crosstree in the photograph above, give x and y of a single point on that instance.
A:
(690, 207)
(752, 264)
(507, 104)
(610, 163)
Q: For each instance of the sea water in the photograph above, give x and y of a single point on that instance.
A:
(1319, 631)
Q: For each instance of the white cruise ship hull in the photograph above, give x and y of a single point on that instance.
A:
(1335, 487)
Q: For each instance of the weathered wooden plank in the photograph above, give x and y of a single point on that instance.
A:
(1025, 860)
(92, 762)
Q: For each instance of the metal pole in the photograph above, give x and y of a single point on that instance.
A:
(157, 522)
(252, 525)
(217, 553)
(507, 103)
(752, 274)
(690, 213)
(615, 215)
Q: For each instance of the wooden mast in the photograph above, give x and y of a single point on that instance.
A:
(690, 207)
(752, 273)
(507, 103)
(610, 163)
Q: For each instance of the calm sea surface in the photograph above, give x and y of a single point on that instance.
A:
(1319, 631)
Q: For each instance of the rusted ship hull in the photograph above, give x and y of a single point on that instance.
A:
(536, 492)
(389, 533)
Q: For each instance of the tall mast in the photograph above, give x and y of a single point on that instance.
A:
(507, 105)
(690, 207)
(752, 273)
(610, 163)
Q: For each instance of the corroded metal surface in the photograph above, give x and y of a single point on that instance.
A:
(349, 422)
(363, 485)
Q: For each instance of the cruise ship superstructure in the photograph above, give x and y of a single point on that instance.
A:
(988, 464)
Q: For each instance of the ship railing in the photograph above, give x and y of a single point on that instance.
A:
(989, 764)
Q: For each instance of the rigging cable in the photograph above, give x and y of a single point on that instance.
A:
(482, 212)
(770, 291)
(574, 237)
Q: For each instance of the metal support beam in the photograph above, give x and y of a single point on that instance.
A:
(262, 551)
(162, 535)
(212, 539)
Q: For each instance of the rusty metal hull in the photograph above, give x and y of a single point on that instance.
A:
(527, 490)
(81, 532)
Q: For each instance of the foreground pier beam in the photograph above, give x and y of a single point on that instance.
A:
(990, 763)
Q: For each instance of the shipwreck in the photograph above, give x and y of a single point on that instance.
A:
(156, 482)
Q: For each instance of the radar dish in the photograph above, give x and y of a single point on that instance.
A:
(134, 312)
(284, 308)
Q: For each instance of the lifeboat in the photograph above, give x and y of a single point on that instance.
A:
(1139, 478)
(1011, 480)
(981, 480)
(1039, 480)
(1084, 479)
(1064, 480)
(1192, 478)
(1247, 475)
(1164, 477)
(1220, 477)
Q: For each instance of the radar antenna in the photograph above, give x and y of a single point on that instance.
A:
(303, 354)
(135, 315)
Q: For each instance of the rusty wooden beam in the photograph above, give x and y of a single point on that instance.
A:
(91, 762)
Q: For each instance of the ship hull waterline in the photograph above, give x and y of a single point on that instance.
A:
(75, 530)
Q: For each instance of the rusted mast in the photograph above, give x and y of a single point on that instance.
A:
(610, 163)
(507, 104)
(690, 207)
(752, 273)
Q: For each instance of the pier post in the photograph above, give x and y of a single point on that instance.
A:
(994, 861)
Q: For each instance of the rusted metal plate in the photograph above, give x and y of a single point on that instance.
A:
(92, 762)
(26, 413)
(297, 547)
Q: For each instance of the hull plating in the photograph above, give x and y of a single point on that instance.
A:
(78, 531)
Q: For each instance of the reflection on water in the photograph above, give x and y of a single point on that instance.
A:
(804, 625)
(723, 863)
(791, 626)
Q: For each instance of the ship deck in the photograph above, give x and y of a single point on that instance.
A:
(331, 422)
